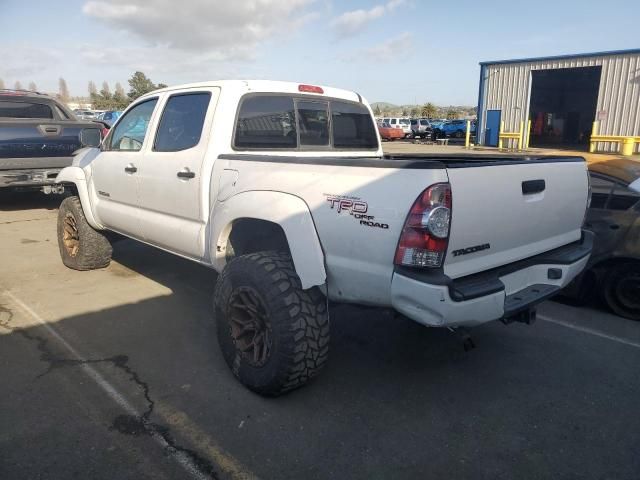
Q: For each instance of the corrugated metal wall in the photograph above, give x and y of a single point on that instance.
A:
(507, 88)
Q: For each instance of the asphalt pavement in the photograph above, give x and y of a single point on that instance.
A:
(116, 374)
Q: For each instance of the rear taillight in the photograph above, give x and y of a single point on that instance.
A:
(425, 236)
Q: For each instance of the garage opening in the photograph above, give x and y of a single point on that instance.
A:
(563, 106)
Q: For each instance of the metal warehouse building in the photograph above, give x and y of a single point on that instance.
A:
(562, 96)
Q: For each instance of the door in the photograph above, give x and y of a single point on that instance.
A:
(493, 128)
(173, 210)
(610, 216)
(115, 171)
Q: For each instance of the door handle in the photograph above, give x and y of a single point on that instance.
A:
(131, 168)
(50, 130)
(614, 226)
(533, 186)
(186, 174)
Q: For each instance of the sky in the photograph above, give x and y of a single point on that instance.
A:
(397, 51)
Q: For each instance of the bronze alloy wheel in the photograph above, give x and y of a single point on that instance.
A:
(70, 236)
(250, 328)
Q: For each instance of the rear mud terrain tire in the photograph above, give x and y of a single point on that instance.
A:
(622, 290)
(273, 335)
(81, 246)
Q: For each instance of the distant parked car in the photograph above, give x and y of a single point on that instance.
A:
(38, 138)
(85, 114)
(399, 122)
(110, 117)
(421, 127)
(387, 132)
(614, 216)
(454, 128)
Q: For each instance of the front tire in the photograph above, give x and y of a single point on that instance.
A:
(273, 335)
(622, 290)
(81, 246)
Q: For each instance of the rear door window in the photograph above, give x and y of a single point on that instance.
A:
(266, 122)
(313, 123)
(352, 126)
(182, 121)
(600, 191)
(623, 198)
(24, 110)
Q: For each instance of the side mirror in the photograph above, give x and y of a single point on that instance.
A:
(90, 137)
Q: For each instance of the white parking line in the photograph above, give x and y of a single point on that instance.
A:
(182, 458)
(590, 331)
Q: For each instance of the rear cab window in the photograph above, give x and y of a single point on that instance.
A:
(20, 109)
(182, 121)
(285, 122)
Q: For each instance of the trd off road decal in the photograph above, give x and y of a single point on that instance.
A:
(355, 207)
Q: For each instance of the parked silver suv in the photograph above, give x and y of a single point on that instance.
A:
(421, 127)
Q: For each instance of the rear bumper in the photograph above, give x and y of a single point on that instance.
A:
(28, 178)
(436, 300)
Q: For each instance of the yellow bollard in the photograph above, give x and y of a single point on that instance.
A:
(594, 132)
(526, 145)
(521, 137)
(500, 135)
(626, 146)
(467, 139)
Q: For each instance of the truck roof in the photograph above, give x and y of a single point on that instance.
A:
(18, 94)
(246, 86)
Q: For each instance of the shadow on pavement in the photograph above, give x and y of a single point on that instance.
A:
(28, 200)
(396, 400)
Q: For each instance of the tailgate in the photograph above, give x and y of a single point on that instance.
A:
(37, 140)
(503, 212)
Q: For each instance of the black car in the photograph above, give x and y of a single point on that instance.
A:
(38, 136)
(614, 216)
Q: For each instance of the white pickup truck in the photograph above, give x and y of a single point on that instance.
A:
(284, 190)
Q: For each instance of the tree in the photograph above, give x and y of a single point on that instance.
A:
(93, 90)
(18, 85)
(105, 92)
(452, 113)
(405, 112)
(377, 111)
(415, 111)
(429, 110)
(33, 87)
(1, 84)
(162, 85)
(119, 99)
(63, 90)
(140, 85)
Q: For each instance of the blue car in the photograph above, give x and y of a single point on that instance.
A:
(457, 128)
(110, 117)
